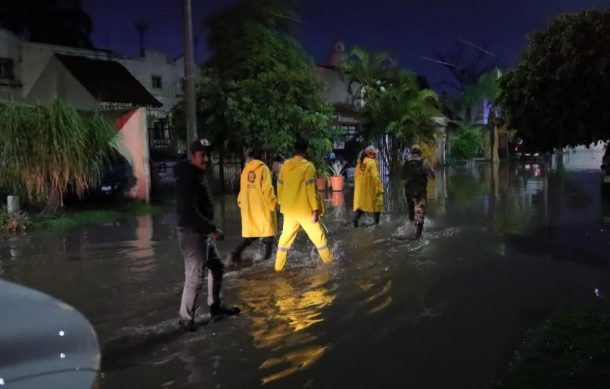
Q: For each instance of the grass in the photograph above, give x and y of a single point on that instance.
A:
(71, 218)
(570, 350)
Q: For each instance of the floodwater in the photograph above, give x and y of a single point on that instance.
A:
(503, 247)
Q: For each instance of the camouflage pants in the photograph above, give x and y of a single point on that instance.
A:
(417, 208)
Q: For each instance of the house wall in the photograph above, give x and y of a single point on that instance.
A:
(133, 145)
(9, 49)
(55, 81)
(336, 89)
(155, 63)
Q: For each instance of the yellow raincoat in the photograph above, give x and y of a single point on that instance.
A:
(298, 199)
(368, 189)
(256, 201)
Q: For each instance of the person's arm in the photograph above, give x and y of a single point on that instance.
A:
(280, 187)
(186, 198)
(429, 170)
(376, 177)
(241, 190)
(267, 189)
(312, 194)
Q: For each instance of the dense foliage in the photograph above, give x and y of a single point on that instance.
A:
(47, 149)
(558, 94)
(259, 86)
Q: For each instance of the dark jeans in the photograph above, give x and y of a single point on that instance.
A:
(267, 241)
(199, 252)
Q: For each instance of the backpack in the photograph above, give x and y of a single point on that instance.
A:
(416, 177)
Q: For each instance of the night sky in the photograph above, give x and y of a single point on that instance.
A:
(407, 29)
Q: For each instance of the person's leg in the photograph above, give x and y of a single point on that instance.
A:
(215, 274)
(192, 247)
(267, 246)
(357, 215)
(235, 255)
(420, 215)
(411, 207)
(376, 217)
(316, 234)
(289, 233)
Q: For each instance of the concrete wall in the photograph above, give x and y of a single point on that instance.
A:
(133, 145)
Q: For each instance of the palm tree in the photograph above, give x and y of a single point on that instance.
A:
(400, 114)
(366, 72)
(486, 90)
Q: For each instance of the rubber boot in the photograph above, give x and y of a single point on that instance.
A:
(357, 216)
(376, 217)
(419, 229)
(218, 311)
(267, 249)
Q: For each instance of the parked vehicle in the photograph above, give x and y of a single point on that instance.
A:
(44, 343)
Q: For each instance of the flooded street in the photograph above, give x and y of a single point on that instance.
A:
(502, 248)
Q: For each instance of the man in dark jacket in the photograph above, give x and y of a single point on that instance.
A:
(197, 235)
(416, 171)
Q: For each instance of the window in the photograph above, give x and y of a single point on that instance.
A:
(6, 68)
(157, 82)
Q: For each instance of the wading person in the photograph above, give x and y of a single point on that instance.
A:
(257, 203)
(416, 171)
(197, 235)
(300, 204)
(368, 189)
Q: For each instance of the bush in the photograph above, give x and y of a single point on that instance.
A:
(468, 144)
(15, 222)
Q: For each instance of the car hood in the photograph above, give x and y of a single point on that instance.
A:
(44, 341)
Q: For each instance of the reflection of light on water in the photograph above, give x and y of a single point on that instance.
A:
(283, 311)
(298, 360)
(140, 253)
(380, 298)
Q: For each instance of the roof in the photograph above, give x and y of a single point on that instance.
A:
(108, 81)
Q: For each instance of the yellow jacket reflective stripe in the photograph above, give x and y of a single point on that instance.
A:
(296, 188)
(256, 201)
(368, 189)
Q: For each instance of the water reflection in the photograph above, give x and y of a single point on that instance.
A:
(284, 314)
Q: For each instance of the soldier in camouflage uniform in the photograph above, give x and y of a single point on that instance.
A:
(416, 171)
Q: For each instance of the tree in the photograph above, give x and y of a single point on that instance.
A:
(57, 22)
(398, 115)
(486, 91)
(558, 94)
(396, 112)
(367, 72)
(259, 86)
(47, 149)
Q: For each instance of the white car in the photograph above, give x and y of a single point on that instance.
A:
(44, 343)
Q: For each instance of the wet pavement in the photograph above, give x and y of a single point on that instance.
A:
(502, 248)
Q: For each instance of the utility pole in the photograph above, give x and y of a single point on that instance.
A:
(189, 77)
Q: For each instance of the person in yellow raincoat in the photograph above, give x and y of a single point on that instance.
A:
(368, 188)
(300, 204)
(257, 203)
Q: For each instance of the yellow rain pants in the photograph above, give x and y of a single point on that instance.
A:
(298, 200)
